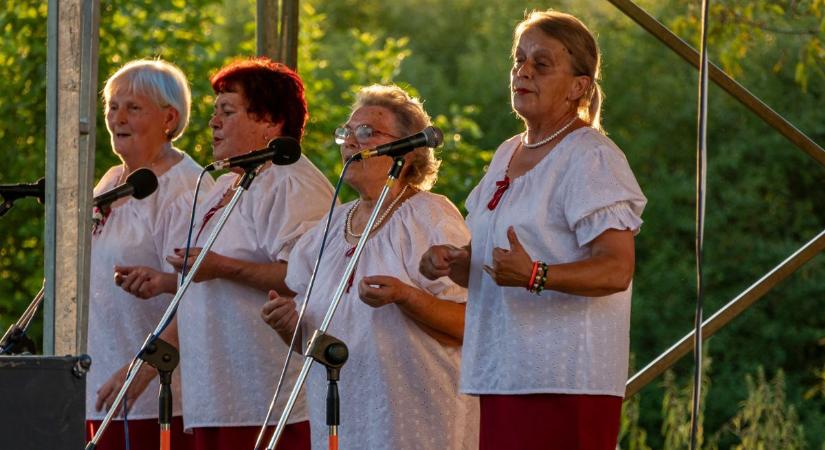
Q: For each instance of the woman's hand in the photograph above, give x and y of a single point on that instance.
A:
(280, 313)
(145, 282)
(380, 290)
(446, 261)
(210, 268)
(107, 393)
(511, 267)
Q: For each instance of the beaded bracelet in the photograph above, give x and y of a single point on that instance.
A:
(538, 278)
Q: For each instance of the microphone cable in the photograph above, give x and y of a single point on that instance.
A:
(293, 340)
(701, 185)
(171, 316)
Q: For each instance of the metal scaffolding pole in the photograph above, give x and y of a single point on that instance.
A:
(71, 85)
(726, 314)
(718, 76)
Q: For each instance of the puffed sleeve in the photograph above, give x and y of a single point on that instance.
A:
(434, 223)
(296, 204)
(601, 193)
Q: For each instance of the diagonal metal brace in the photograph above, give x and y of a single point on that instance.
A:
(727, 313)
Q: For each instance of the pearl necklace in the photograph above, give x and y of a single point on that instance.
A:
(377, 222)
(547, 139)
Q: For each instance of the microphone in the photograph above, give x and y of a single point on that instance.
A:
(20, 190)
(282, 151)
(139, 184)
(428, 137)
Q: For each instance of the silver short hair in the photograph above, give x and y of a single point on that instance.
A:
(161, 81)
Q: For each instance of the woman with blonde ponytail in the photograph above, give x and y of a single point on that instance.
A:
(550, 263)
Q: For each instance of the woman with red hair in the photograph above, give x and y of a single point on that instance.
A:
(229, 358)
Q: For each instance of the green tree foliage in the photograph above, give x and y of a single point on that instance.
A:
(23, 70)
(764, 421)
(765, 197)
(677, 408)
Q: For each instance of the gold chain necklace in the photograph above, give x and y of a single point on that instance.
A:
(377, 222)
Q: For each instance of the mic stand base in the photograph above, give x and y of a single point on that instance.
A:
(14, 340)
(332, 353)
(17, 343)
(164, 357)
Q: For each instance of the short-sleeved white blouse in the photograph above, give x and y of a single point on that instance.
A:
(399, 388)
(516, 342)
(230, 358)
(136, 233)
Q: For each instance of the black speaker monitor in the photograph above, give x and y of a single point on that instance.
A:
(42, 402)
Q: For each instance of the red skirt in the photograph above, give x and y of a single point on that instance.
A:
(549, 422)
(144, 434)
(296, 436)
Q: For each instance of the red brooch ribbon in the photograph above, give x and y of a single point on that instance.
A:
(501, 186)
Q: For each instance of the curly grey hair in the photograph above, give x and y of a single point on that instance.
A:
(422, 165)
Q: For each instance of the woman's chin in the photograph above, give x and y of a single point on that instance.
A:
(123, 151)
(524, 108)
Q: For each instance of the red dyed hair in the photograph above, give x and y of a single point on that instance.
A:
(272, 90)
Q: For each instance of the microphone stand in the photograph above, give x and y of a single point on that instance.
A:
(156, 348)
(14, 339)
(325, 348)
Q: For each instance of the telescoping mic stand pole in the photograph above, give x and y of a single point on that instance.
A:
(332, 353)
(166, 396)
(320, 333)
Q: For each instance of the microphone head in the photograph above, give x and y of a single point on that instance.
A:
(434, 136)
(287, 150)
(143, 182)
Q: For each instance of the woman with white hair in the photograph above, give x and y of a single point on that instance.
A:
(399, 388)
(147, 107)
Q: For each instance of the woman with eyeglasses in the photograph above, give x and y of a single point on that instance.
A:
(229, 358)
(399, 387)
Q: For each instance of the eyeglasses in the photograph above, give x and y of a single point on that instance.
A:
(362, 134)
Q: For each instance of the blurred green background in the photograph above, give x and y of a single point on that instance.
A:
(765, 198)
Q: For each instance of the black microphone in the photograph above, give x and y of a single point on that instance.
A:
(139, 184)
(282, 151)
(15, 191)
(428, 137)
